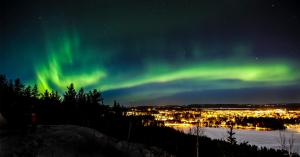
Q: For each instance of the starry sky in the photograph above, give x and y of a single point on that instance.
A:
(156, 52)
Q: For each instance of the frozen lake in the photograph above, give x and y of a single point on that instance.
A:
(269, 139)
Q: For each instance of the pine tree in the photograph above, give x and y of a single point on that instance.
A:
(81, 97)
(231, 139)
(95, 97)
(71, 109)
(18, 87)
(46, 96)
(70, 95)
(54, 97)
(27, 92)
(35, 92)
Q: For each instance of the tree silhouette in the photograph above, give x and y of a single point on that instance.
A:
(35, 92)
(27, 92)
(14, 102)
(18, 87)
(70, 95)
(4, 97)
(231, 139)
(81, 96)
(81, 100)
(54, 97)
(70, 105)
(3, 92)
(118, 109)
(96, 97)
(18, 101)
(95, 106)
(46, 96)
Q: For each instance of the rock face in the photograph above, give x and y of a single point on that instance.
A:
(68, 141)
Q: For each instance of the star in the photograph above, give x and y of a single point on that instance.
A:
(273, 5)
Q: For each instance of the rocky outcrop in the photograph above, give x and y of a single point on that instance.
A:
(69, 141)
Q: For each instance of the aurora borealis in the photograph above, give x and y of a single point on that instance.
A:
(156, 52)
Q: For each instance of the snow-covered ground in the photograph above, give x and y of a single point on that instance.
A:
(269, 139)
(68, 141)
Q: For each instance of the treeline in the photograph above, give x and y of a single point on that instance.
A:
(289, 106)
(23, 106)
(267, 122)
(264, 122)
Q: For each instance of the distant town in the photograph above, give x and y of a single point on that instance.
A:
(241, 116)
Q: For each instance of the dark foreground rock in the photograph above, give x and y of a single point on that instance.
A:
(68, 141)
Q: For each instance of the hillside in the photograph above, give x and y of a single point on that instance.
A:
(68, 141)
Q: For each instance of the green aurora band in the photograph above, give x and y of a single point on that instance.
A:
(156, 52)
(53, 75)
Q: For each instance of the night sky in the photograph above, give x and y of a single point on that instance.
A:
(156, 52)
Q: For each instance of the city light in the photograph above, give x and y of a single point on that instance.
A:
(178, 117)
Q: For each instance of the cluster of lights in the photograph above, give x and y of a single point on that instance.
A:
(178, 117)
